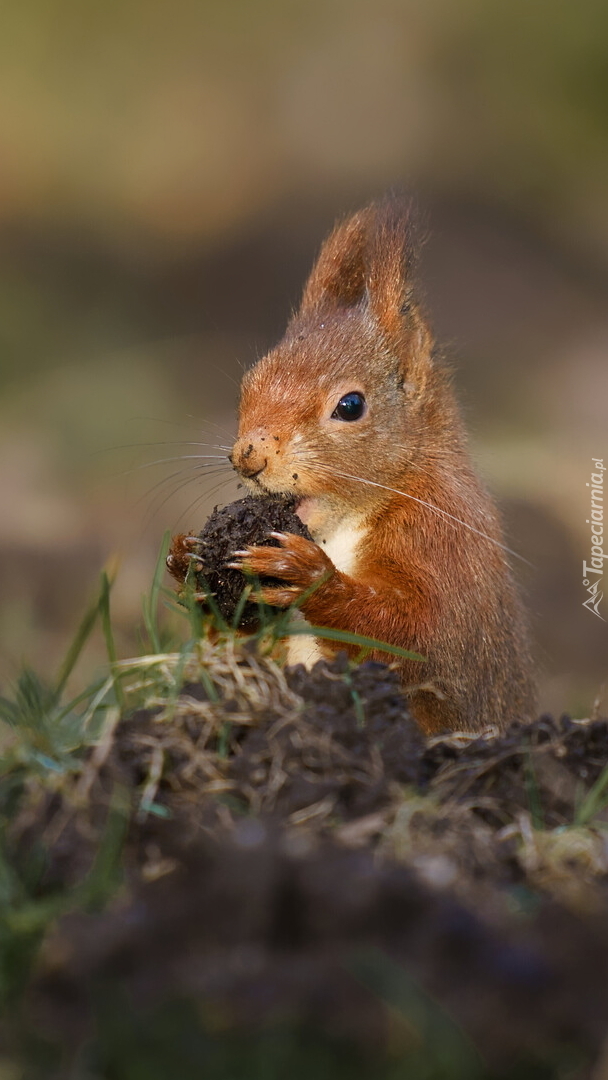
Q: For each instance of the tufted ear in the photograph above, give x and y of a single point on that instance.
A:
(367, 260)
(337, 279)
(390, 257)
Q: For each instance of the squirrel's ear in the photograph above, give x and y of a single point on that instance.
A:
(338, 278)
(390, 256)
(367, 259)
(368, 262)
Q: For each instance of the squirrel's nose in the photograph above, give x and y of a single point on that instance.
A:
(248, 457)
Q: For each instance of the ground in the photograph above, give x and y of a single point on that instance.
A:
(243, 871)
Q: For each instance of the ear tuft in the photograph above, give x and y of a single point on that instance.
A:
(368, 260)
(391, 254)
(337, 279)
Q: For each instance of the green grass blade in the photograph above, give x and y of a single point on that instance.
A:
(440, 1047)
(198, 616)
(106, 623)
(533, 793)
(106, 871)
(9, 713)
(79, 641)
(311, 590)
(357, 702)
(85, 695)
(595, 800)
(352, 639)
(178, 679)
(240, 607)
(150, 602)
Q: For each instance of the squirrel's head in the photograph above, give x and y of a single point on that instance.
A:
(340, 397)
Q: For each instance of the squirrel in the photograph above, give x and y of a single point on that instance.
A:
(354, 416)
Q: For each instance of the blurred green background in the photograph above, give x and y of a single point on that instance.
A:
(167, 172)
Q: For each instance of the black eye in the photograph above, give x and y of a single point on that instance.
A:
(349, 407)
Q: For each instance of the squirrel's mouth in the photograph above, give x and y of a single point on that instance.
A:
(304, 508)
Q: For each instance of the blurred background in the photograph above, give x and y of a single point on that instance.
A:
(167, 173)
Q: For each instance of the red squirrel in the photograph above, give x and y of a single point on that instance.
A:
(354, 416)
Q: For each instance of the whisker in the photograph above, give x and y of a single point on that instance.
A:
(306, 456)
(179, 457)
(425, 449)
(192, 469)
(169, 442)
(429, 506)
(157, 506)
(197, 502)
(211, 423)
(414, 465)
(221, 371)
(178, 423)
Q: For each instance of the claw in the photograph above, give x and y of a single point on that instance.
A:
(279, 597)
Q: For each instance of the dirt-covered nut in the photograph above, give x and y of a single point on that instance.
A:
(240, 524)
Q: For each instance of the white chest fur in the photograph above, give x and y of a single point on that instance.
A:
(341, 545)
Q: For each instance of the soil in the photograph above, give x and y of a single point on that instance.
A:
(246, 522)
(312, 887)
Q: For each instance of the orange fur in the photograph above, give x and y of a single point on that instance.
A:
(419, 573)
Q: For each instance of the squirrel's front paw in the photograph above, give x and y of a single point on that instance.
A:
(182, 552)
(300, 563)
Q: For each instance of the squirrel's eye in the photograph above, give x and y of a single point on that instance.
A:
(349, 407)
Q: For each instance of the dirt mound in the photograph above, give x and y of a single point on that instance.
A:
(336, 751)
(275, 859)
(264, 933)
